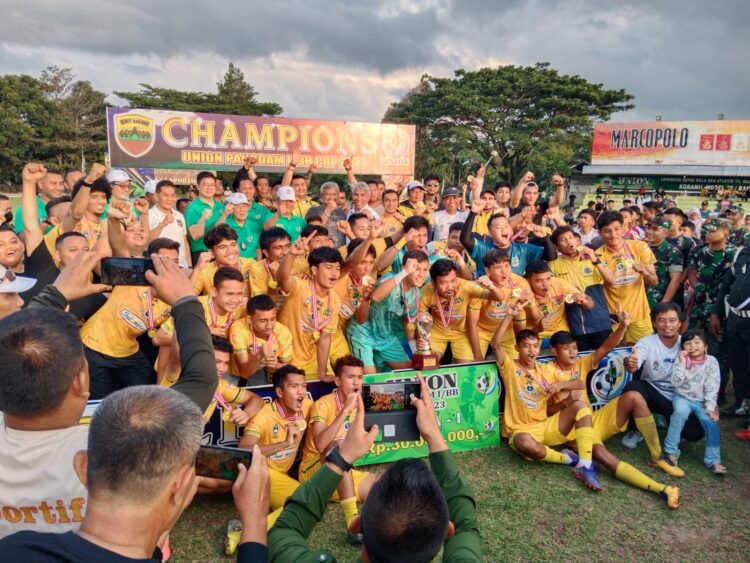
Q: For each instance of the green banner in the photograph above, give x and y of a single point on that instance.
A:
(466, 399)
(672, 183)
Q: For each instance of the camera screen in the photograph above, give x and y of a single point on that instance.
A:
(126, 271)
(384, 397)
(219, 462)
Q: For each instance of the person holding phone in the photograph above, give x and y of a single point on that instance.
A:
(331, 417)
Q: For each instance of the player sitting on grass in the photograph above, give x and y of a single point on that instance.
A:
(525, 422)
(613, 417)
(331, 417)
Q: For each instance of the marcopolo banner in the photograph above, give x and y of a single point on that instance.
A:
(718, 143)
(183, 140)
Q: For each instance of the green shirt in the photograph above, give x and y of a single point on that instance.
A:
(287, 540)
(293, 225)
(248, 236)
(668, 260)
(193, 215)
(41, 207)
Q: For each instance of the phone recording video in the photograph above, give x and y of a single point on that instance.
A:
(388, 397)
(126, 271)
(221, 463)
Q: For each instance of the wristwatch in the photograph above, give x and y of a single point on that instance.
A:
(335, 457)
(87, 184)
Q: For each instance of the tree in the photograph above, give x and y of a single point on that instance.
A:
(529, 115)
(26, 121)
(235, 96)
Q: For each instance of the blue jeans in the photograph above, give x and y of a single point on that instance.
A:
(682, 409)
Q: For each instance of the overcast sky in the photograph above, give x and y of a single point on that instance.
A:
(348, 59)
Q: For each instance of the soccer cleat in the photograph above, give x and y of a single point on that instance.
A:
(743, 434)
(667, 465)
(573, 457)
(232, 541)
(672, 496)
(588, 476)
(354, 539)
(631, 439)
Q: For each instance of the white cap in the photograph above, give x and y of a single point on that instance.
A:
(150, 187)
(286, 193)
(414, 184)
(11, 283)
(237, 198)
(117, 175)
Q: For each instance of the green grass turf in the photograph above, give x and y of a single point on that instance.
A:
(539, 512)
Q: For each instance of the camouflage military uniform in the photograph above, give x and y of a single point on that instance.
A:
(738, 238)
(668, 259)
(711, 266)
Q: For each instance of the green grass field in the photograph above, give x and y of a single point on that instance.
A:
(539, 512)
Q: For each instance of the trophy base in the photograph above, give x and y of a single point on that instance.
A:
(424, 361)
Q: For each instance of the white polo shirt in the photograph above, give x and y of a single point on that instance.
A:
(176, 230)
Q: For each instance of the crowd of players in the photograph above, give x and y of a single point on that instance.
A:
(258, 283)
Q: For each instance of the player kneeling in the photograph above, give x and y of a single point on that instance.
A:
(331, 417)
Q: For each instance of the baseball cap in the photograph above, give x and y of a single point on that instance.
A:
(150, 187)
(714, 224)
(451, 190)
(286, 193)
(237, 198)
(11, 283)
(734, 209)
(117, 175)
(487, 191)
(413, 185)
(661, 222)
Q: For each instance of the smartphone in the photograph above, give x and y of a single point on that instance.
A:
(389, 397)
(220, 462)
(126, 271)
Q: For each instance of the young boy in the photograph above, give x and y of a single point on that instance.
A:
(695, 377)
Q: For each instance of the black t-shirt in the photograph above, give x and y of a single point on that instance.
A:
(68, 547)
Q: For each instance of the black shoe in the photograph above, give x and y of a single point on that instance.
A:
(737, 409)
(354, 539)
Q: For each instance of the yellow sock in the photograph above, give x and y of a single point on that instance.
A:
(630, 475)
(553, 456)
(585, 441)
(273, 517)
(349, 507)
(647, 427)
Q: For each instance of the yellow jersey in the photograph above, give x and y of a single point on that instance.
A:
(297, 315)
(453, 314)
(492, 313)
(580, 273)
(269, 426)
(230, 393)
(263, 282)
(351, 295)
(553, 306)
(629, 291)
(324, 410)
(584, 364)
(205, 282)
(217, 324)
(129, 312)
(391, 226)
(480, 223)
(244, 340)
(525, 399)
(302, 207)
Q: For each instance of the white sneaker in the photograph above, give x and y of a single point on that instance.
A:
(631, 439)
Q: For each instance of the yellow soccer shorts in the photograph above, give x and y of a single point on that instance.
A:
(638, 330)
(282, 487)
(460, 344)
(605, 422)
(546, 432)
(509, 344)
(339, 347)
(358, 476)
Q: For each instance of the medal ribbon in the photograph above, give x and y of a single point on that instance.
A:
(297, 416)
(150, 311)
(541, 384)
(446, 322)
(318, 325)
(215, 318)
(224, 405)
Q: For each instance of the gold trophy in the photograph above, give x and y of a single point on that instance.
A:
(423, 357)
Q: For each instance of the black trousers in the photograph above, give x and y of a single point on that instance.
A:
(737, 336)
(693, 430)
(592, 340)
(108, 374)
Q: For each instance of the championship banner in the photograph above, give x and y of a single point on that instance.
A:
(713, 143)
(183, 140)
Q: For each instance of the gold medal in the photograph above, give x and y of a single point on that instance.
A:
(272, 283)
(316, 335)
(225, 415)
(301, 424)
(516, 293)
(579, 249)
(151, 332)
(570, 298)
(628, 263)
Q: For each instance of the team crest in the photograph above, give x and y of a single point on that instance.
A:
(275, 430)
(135, 134)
